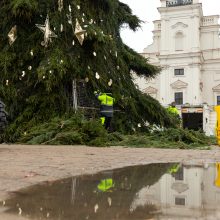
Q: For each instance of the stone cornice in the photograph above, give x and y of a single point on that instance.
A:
(150, 90)
(210, 50)
(216, 88)
(212, 61)
(210, 27)
(195, 64)
(180, 55)
(179, 84)
(156, 31)
(179, 24)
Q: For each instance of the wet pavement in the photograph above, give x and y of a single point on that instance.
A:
(22, 166)
(154, 191)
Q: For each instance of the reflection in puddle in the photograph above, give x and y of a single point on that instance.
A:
(156, 191)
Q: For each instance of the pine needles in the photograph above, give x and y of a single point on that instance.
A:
(69, 130)
(76, 130)
(165, 138)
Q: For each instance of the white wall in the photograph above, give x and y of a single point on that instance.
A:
(200, 57)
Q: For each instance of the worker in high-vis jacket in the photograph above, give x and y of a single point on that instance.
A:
(106, 109)
(172, 109)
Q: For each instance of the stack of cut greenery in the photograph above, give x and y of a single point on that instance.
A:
(167, 138)
(76, 129)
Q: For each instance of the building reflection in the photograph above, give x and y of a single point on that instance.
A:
(192, 192)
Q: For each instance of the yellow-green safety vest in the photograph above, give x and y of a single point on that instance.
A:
(105, 185)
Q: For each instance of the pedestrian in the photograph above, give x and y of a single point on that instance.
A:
(106, 108)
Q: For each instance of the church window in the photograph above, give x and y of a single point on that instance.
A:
(179, 41)
(178, 97)
(179, 72)
(180, 201)
(218, 100)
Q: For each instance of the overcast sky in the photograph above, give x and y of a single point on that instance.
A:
(146, 10)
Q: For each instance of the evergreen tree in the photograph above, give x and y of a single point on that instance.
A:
(38, 64)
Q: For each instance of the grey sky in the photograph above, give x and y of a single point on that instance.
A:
(146, 10)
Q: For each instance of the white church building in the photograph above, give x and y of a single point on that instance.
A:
(186, 45)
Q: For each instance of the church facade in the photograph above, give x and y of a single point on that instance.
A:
(186, 45)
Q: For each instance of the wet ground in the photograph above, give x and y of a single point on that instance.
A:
(155, 191)
(23, 166)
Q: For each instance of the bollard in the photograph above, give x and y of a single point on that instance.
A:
(217, 128)
(217, 180)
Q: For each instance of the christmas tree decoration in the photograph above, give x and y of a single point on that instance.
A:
(73, 42)
(31, 53)
(86, 79)
(70, 8)
(78, 7)
(97, 76)
(79, 32)
(110, 82)
(61, 28)
(69, 18)
(60, 5)
(94, 54)
(12, 35)
(23, 74)
(7, 82)
(48, 34)
(30, 68)
(88, 67)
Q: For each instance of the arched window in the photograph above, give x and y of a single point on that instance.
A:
(179, 41)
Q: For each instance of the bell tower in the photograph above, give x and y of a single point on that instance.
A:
(180, 51)
(180, 19)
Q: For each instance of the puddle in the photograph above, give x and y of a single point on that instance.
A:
(156, 191)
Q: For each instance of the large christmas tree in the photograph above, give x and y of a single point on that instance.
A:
(46, 45)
